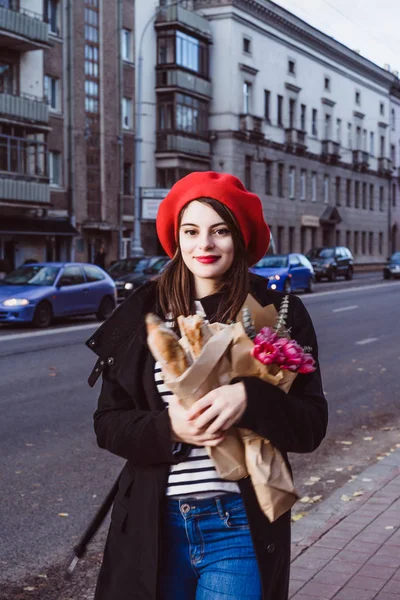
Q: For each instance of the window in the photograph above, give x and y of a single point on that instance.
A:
(371, 196)
(348, 238)
(381, 109)
(71, 276)
(51, 8)
(380, 242)
(281, 170)
(246, 45)
(363, 242)
(280, 110)
(268, 177)
(314, 129)
(348, 192)
(126, 45)
(394, 191)
(166, 44)
(339, 131)
(327, 84)
(314, 187)
(382, 146)
(358, 98)
(292, 183)
(357, 194)
(191, 53)
(371, 242)
(337, 237)
(247, 173)
(303, 184)
(364, 195)
(279, 239)
(326, 189)
(393, 119)
(358, 138)
(292, 113)
(291, 241)
(267, 98)
(292, 67)
(191, 115)
(349, 136)
(381, 198)
(356, 239)
(55, 168)
(338, 191)
(372, 143)
(247, 92)
(127, 113)
(365, 141)
(52, 92)
(8, 78)
(303, 117)
(393, 154)
(327, 133)
(93, 273)
(128, 179)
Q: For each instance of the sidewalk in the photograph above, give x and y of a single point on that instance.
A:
(350, 550)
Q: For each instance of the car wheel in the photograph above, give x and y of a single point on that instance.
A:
(317, 278)
(287, 286)
(332, 275)
(349, 274)
(310, 287)
(386, 275)
(105, 309)
(43, 315)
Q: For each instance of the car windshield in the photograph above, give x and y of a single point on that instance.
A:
(31, 275)
(131, 265)
(272, 262)
(158, 265)
(321, 253)
(395, 257)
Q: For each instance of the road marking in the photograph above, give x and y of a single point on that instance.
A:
(366, 341)
(345, 308)
(361, 288)
(20, 336)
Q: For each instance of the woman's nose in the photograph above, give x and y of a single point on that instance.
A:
(206, 241)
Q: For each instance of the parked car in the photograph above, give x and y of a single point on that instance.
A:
(392, 267)
(331, 262)
(143, 270)
(286, 272)
(38, 292)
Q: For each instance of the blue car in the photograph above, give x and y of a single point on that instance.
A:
(286, 272)
(38, 292)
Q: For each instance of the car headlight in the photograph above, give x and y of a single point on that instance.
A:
(16, 302)
(274, 278)
(128, 286)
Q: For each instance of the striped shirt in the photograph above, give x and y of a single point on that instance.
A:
(197, 475)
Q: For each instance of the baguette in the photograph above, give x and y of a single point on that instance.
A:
(165, 347)
(196, 332)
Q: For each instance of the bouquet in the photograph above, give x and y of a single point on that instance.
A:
(209, 356)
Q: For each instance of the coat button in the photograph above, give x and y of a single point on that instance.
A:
(185, 508)
(110, 361)
(92, 343)
(270, 548)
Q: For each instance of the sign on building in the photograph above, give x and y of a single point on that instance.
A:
(151, 199)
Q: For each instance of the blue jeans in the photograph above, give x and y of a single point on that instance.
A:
(207, 552)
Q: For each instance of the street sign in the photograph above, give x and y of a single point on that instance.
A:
(309, 221)
(154, 193)
(151, 199)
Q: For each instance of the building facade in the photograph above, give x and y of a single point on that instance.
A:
(303, 120)
(77, 61)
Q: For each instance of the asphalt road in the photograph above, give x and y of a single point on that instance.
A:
(51, 466)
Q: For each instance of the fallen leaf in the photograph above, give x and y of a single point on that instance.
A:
(366, 479)
(18, 472)
(305, 499)
(63, 514)
(380, 457)
(314, 478)
(52, 374)
(389, 527)
(316, 498)
(42, 576)
(350, 467)
(345, 443)
(387, 428)
(345, 498)
(29, 589)
(339, 412)
(298, 516)
(339, 469)
(363, 427)
(368, 439)
(330, 481)
(359, 493)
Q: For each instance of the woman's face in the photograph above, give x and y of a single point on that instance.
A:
(206, 242)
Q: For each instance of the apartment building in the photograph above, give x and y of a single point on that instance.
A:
(303, 120)
(72, 169)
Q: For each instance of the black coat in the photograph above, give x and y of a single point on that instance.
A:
(131, 422)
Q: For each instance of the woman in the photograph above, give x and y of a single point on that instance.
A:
(178, 531)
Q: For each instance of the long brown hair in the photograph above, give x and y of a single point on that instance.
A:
(176, 284)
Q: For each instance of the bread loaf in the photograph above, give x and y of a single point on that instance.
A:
(196, 332)
(165, 347)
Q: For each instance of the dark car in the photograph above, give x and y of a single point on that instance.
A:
(331, 262)
(38, 292)
(392, 267)
(286, 272)
(131, 273)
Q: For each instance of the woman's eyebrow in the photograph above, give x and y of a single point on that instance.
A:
(194, 225)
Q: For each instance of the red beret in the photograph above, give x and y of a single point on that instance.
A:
(228, 190)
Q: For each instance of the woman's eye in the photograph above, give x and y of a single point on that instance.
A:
(221, 232)
(190, 232)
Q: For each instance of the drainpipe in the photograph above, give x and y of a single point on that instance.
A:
(70, 104)
(121, 135)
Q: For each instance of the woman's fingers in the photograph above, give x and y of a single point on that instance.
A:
(199, 407)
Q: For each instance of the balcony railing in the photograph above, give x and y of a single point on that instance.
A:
(24, 191)
(384, 165)
(173, 142)
(24, 108)
(295, 139)
(249, 124)
(167, 78)
(360, 159)
(330, 150)
(191, 20)
(24, 30)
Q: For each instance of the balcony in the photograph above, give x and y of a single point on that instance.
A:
(20, 190)
(330, 151)
(250, 126)
(180, 144)
(22, 30)
(24, 108)
(295, 140)
(174, 15)
(181, 79)
(384, 166)
(360, 160)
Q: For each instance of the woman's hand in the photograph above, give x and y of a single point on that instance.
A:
(187, 431)
(218, 410)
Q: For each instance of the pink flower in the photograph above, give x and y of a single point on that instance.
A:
(308, 364)
(265, 352)
(270, 348)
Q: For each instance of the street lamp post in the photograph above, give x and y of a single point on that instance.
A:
(136, 244)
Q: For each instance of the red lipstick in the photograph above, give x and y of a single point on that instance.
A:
(207, 259)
